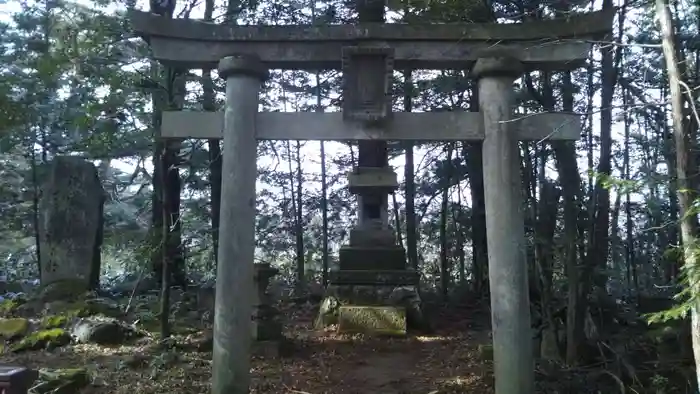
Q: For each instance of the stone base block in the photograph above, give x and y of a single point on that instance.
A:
(372, 320)
(266, 349)
(374, 277)
(372, 258)
(266, 323)
(403, 296)
(377, 237)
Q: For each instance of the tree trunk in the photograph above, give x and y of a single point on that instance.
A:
(165, 169)
(597, 252)
(459, 230)
(299, 231)
(166, 262)
(295, 195)
(324, 213)
(475, 173)
(567, 166)
(444, 261)
(685, 170)
(626, 174)
(397, 219)
(409, 176)
(214, 148)
(324, 190)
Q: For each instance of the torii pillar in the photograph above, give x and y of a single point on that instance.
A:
(505, 233)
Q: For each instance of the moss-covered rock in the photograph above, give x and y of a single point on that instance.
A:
(62, 381)
(83, 308)
(13, 328)
(54, 321)
(370, 319)
(8, 307)
(43, 339)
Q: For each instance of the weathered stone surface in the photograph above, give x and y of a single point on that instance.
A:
(70, 222)
(374, 277)
(372, 258)
(101, 331)
(369, 319)
(378, 237)
(576, 26)
(406, 297)
(538, 45)
(266, 318)
(367, 82)
(376, 178)
(413, 126)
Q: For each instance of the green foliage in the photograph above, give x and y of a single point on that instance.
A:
(689, 295)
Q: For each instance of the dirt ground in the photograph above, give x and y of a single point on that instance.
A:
(449, 361)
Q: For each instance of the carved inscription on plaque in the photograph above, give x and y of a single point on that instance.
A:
(367, 83)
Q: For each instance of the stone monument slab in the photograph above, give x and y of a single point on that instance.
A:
(71, 223)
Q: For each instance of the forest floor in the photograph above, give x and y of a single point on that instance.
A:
(448, 361)
(456, 358)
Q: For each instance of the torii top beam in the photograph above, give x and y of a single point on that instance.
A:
(558, 44)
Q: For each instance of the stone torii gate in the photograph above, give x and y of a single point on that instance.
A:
(367, 53)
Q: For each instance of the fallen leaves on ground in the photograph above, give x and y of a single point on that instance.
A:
(319, 363)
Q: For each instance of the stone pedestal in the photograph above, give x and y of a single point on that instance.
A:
(266, 324)
(372, 266)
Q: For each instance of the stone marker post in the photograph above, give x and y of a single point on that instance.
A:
(510, 305)
(244, 75)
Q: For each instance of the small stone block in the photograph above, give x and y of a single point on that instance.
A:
(373, 320)
(367, 72)
(363, 179)
(15, 379)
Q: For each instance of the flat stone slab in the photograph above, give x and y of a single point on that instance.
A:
(372, 320)
(383, 178)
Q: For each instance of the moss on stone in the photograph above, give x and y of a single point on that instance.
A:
(62, 381)
(54, 321)
(369, 319)
(9, 306)
(83, 308)
(13, 328)
(52, 338)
